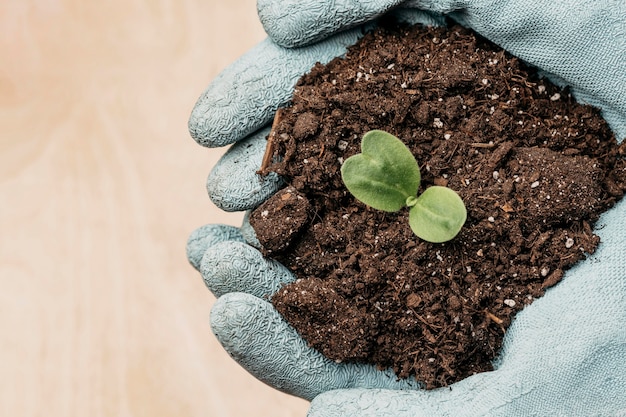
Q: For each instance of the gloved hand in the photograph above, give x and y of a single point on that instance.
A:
(563, 355)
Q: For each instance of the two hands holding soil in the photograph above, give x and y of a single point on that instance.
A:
(565, 353)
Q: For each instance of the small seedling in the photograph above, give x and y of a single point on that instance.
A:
(386, 176)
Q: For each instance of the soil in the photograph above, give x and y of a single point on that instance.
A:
(534, 168)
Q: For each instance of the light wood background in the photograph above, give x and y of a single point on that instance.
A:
(100, 185)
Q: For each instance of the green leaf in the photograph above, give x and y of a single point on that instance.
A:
(384, 175)
(438, 215)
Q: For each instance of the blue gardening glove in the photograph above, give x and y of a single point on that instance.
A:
(563, 355)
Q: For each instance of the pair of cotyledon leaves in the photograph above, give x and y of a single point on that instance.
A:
(386, 176)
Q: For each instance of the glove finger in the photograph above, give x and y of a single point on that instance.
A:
(244, 97)
(208, 235)
(304, 23)
(233, 184)
(248, 233)
(295, 23)
(234, 266)
(258, 338)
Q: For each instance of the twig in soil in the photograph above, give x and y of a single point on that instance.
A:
(494, 318)
(271, 143)
(520, 79)
(482, 145)
(456, 147)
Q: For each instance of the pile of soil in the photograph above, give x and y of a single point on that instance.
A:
(534, 168)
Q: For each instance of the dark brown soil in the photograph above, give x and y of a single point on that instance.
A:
(534, 169)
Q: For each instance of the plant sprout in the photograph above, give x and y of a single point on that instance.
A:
(386, 176)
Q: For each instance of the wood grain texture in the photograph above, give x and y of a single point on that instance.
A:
(100, 185)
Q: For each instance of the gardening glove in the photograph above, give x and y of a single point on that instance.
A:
(572, 334)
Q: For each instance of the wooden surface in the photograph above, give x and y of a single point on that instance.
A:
(100, 185)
